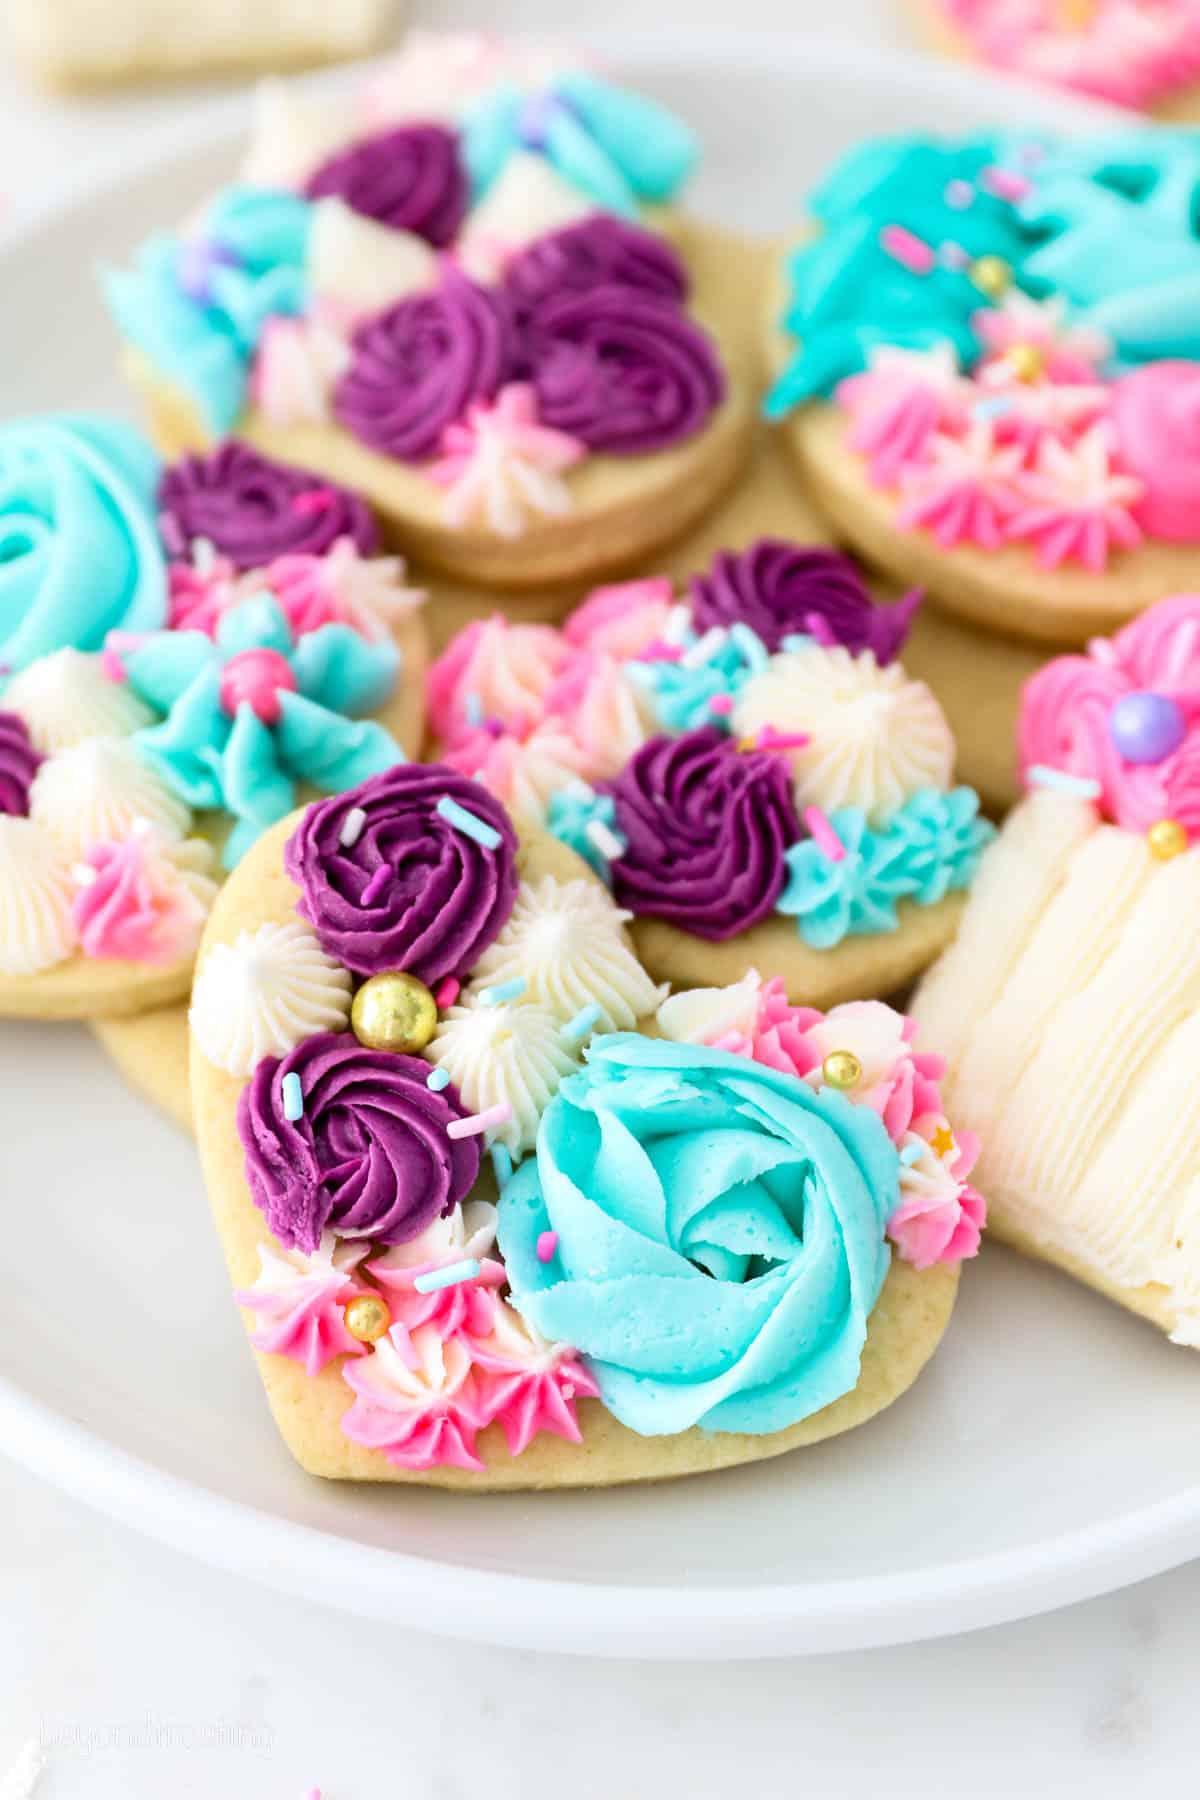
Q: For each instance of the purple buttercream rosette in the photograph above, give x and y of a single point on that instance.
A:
(705, 827)
(620, 370)
(18, 765)
(252, 509)
(409, 177)
(778, 588)
(600, 249)
(416, 367)
(414, 890)
(368, 1157)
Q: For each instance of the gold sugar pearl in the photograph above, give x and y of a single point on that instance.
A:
(394, 1011)
(367, 1318)
(1027, 361)
(1167, 838)
(991, 275)
(841, 1069)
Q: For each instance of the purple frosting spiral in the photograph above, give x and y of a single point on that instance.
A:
(417, 367)
(778, 588)
(18, 765)
(410, 177)
(599, 249)
(368, 1156)
(414, 890)
(621, 370)
(706, 827)
(252, 509)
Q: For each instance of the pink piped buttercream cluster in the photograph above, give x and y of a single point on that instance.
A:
(1130, 52)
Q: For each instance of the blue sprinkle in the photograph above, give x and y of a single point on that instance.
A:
(585, 1020)
(992, 409)
(502, 1163)
(450, 1276)
(293, 1096)
(474, 709)
(437, 1079)
(1082, 785)
(912, 1153)
(751, 647)
(503, 990)
(467, 823)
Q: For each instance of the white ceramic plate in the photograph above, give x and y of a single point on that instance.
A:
(1049, 1453)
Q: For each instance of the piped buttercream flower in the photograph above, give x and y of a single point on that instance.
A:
(466, 1235)
(260, 995)
(500, 466)
(257, 709)
(298, 1299)
(897, 405)
(67, 697)
(1075, 504)
(419, 1402)
(18, 765)
(501, 1055)
(964, 490)
(295, 370)
(530, 1386)
(855, 893)
(1071, 351)
(142, 900)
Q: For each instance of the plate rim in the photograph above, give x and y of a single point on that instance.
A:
(529, 1612)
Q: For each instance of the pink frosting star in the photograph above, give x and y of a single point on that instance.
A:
(298, 1302)
(1072, 353)
(530, 1386)
(500, 464)
(418, 1401)
(467, 1307)
(139, 902)
(898, 405)
(1074, 504)
(966, 491)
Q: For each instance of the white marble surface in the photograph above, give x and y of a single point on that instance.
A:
(147, 1675)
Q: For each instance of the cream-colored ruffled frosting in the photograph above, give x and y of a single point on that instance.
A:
(292, 135)
(66, 697)
(265, 992)
(503, 1053)
(565, 940)
(528, 199)
(97, 791)
(1070, 1011)
(703, 1015)
(356, 262)
(469, 1232)
(36, 895)
(876, 736)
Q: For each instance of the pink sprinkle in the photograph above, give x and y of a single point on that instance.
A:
(733, 1041)
(112, 666)
(376, 885)
(770, 739)
(906, 248)
(721, 703)
(821, 629)
(447, 992)
(313, 500)
(959, 195)
(478, 1123)
(658, 651)
(823, 834)
(547, 1244)
(1006, 184)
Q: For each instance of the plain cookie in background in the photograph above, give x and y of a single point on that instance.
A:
(80, 43)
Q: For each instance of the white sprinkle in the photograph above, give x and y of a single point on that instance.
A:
(578, 789)
(678, 624)
(352, 826)
(204, 555)
(605, 841)
(83, 874)
(705, 648)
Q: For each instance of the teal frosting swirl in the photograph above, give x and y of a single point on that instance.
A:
(682, 695)
(234, 761)
(79, 547)
(569, 813)
(720, 1235)
(196, 306)
(928, 848)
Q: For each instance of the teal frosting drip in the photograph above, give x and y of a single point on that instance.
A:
(928, 848)
(720, 1235)
(682, 697)
(235, 762)
(618, 148)
(79, 547)
(196, 307)
(569, 813)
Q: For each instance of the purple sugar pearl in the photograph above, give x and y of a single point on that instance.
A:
(1146, 727)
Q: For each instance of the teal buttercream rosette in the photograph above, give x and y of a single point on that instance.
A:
(221, 756)
(720, 1235)
(927, 849)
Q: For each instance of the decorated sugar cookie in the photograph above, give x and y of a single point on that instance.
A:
(447, 293)
(746, 764)
(980, 394)
(499, 1214)
(134, 775)
(1069, 1005)
(1136, 53)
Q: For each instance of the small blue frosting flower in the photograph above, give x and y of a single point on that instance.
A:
(719, 1235)
(617, 148)
(569, 816)
(196, 306)
(682, 693)
(929, 847)
(253, 712)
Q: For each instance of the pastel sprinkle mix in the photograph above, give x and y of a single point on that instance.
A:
(473, 708)
(911, 1153)
(502, 1164)
(751, 647)
(437, 1079)
(447, 992)
(502, 991)
(604, 840)
(450, 1276)
(1081, 785)
(704, 648)
(904, 247)
(721, 704)
(467, 822)
(547, 1244)
(585, 1020)
(477, 1123)
(376, 885)
(352, 826)
(293, 1096)
(823, 834)
(958, 194)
